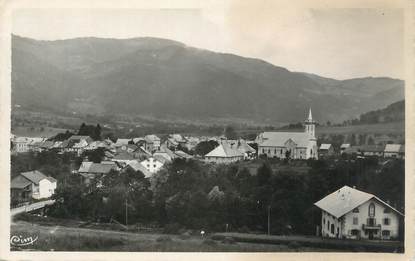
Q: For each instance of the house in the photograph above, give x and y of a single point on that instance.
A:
(137, 166)
(151, 143)
(175, 140)
(121, 142)
(153, 164)
(343, 147)
(224, 154)
(25, 144)
(351, 150)
(182, 155)
(32, 184)
(353, 214)
(394, 151)
(326, 150)
(166, 153)
(372, 150)
(294, 145)
(90, 170)
(242, 146)
(123, 157)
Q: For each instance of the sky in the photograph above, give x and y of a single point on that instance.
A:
(340, 43)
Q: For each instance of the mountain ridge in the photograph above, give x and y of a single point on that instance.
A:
(158, 76)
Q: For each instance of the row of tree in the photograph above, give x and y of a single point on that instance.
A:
(196, 195)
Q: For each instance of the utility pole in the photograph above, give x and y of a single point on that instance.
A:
(269, 220)
(126, 212)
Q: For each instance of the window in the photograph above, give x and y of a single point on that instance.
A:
(154, 165)
(356, 210)
(355, 221)
(386, 233)
(386, 221)
(332, 228)
(371, 210)
(324, 221)
(328, 225)
(355, 232)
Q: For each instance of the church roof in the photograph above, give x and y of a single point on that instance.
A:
(344, 200)
(224, 151)
(278, 139)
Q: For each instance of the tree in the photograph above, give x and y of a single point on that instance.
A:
(204, 147)
(264, 174)
(230, 133)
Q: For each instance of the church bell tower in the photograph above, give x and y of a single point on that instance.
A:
(310, 125)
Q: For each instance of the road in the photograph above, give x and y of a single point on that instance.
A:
(31, 207)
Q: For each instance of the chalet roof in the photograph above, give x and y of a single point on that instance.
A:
(241, 145)
(121, 142)
(151, 138)
(278, 139)
(123, 155)
(34, 176)
(182, 154)
(224, 151)
(325, 146)
(91, 167)
(344, 200)
(393, 147)
(137, 166)
(162, 159)
(19, 182)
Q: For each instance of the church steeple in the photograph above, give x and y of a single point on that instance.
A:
(310, 124)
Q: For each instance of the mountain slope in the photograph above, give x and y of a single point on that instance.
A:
(163, 77)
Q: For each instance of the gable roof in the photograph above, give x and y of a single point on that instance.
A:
(123, 155)
(325, 146)
(392, 147)
(224, 151)
(151, 138)
(137, 166)
(91, 167)
(344, 200)
(19, 182)
(278, 139)
(34, 176)
(241, 145)
(345, 145)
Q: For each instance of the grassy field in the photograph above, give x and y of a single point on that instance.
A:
(58, 238)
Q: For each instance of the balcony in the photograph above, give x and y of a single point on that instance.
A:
(371, 226)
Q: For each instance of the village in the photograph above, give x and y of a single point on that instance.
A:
(345, 213)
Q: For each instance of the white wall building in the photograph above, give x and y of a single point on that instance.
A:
(298, 145)
(152, 164)
(354, 214)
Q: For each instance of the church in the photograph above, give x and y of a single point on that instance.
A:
(293, 145)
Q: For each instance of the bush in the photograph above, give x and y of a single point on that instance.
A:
(244, 229)
(172, 229)
(294, 245)
(209, 242)
(185, 235)
(164, 239)
(229, 240)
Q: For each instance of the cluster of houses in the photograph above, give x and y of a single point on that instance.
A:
(347, 213)
(386, 151)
